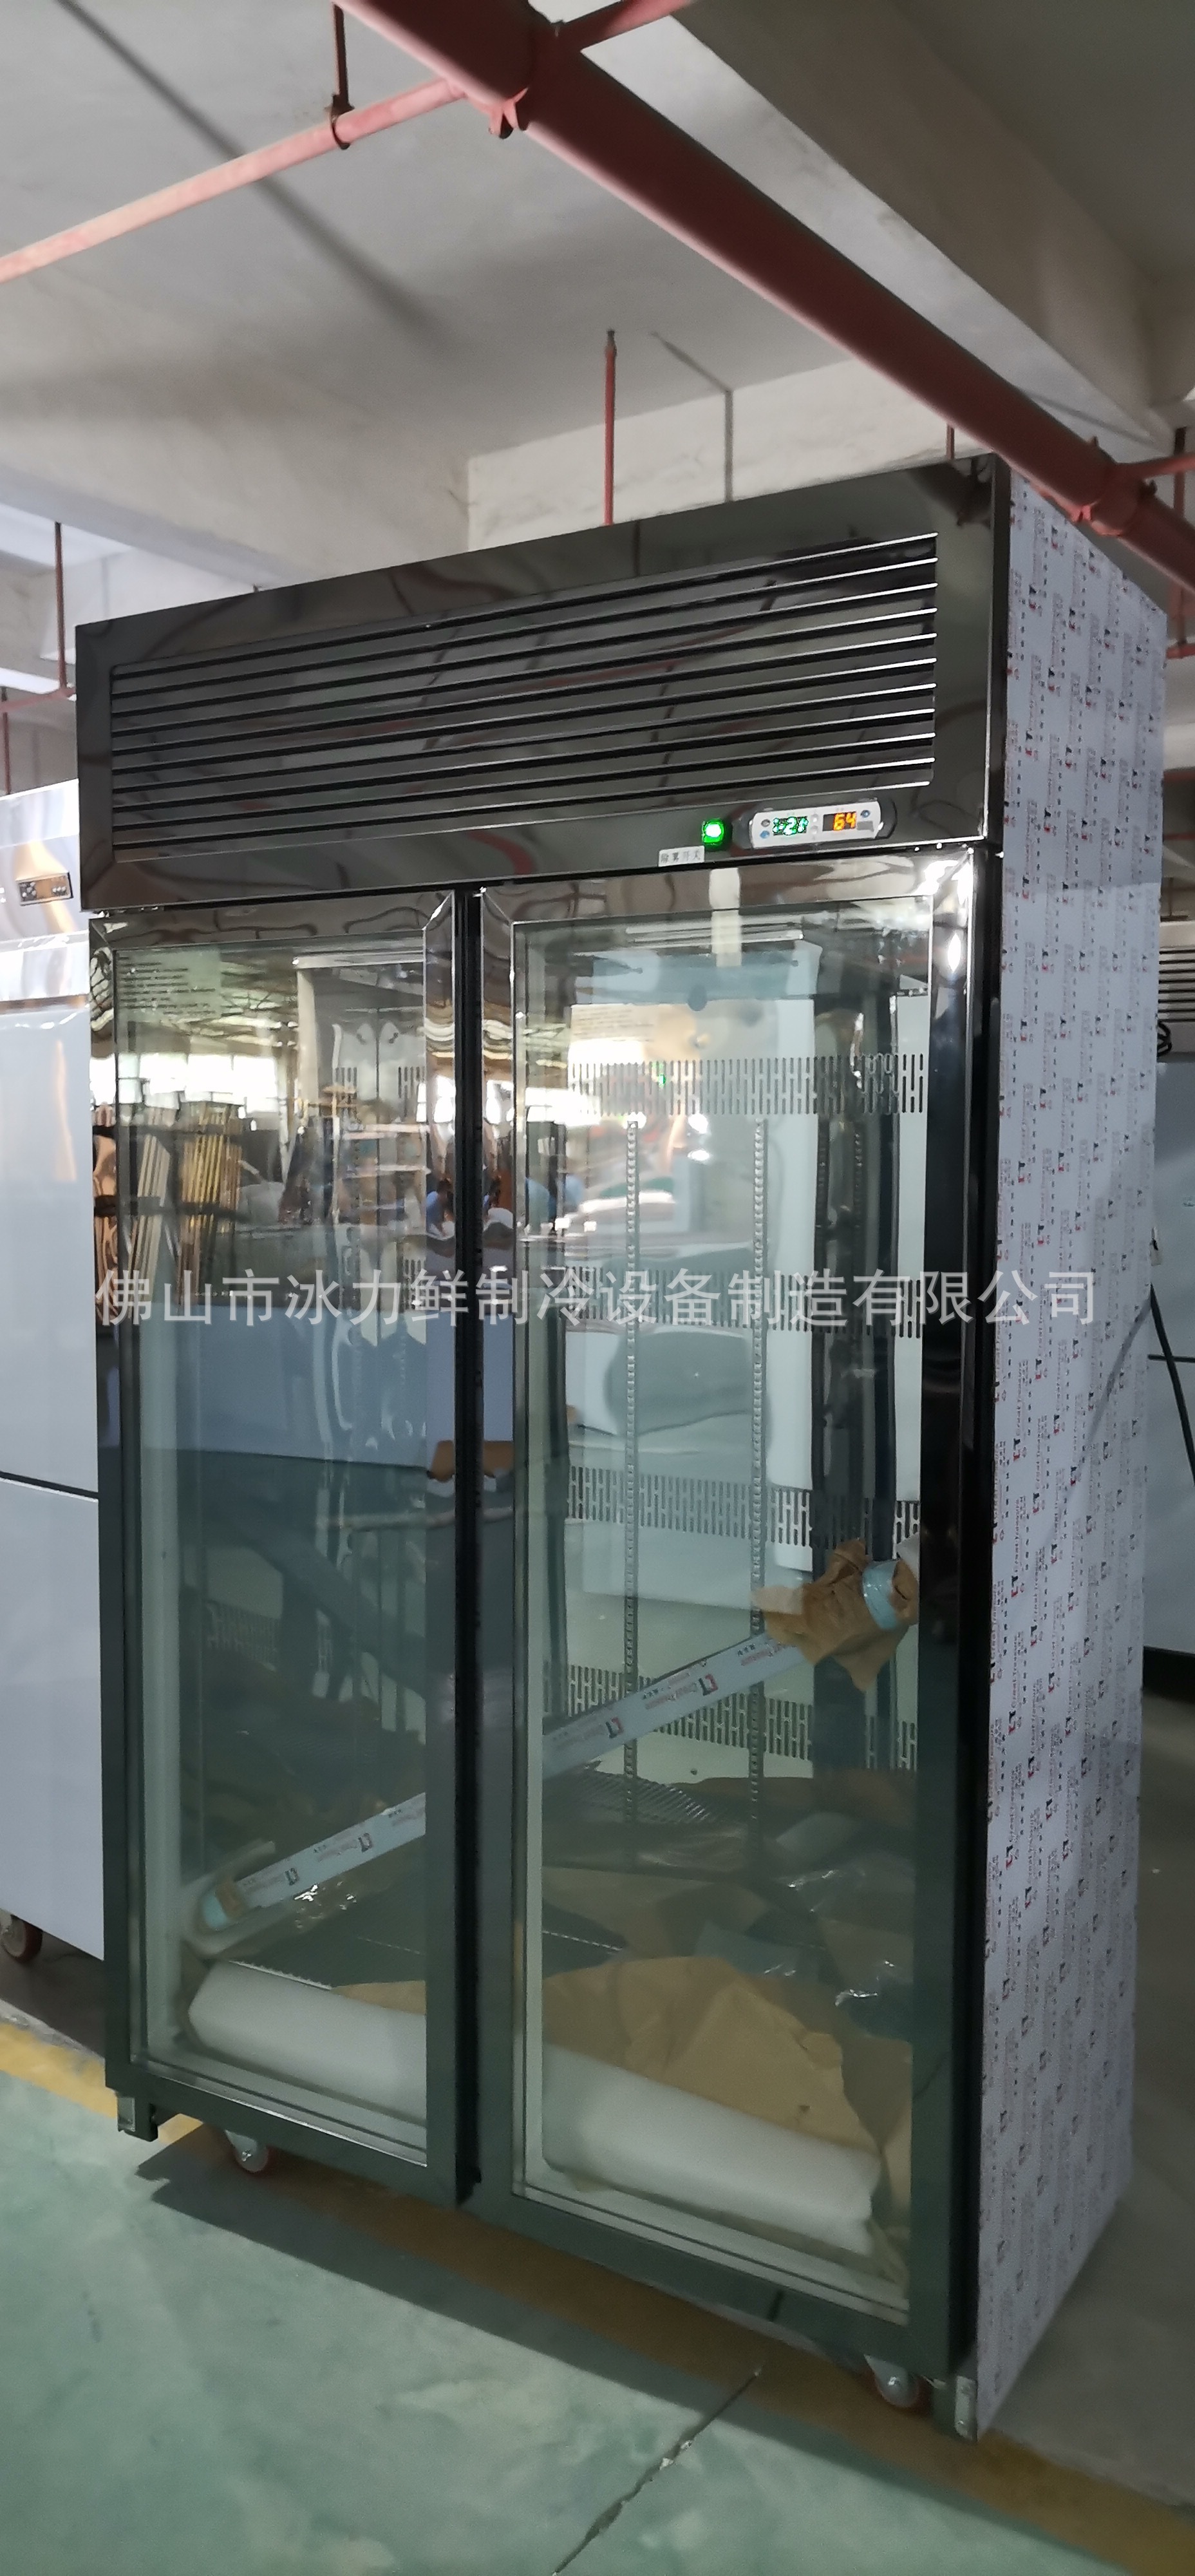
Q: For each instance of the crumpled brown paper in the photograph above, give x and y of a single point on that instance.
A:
(761, 2068)
(410, 1995)
(702, 2026)
(657, 1915)
(829, 1616)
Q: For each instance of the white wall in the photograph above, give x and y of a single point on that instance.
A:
(816, 427)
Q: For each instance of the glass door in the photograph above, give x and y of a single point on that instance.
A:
(284, 1295)
(731, 1934)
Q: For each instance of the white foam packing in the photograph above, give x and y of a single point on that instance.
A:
(599, 2121)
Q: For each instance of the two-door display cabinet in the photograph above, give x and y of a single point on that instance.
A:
(630, 1062)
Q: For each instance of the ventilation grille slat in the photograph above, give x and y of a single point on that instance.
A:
(813, 671)
(312, 719)
(632, 730)
(346, 677)
(1176, 984)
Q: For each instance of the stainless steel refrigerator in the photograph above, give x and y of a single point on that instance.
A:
(50, 1829)
(582, 1658)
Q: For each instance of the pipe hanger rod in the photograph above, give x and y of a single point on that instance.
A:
(527, 72)
(522, 71)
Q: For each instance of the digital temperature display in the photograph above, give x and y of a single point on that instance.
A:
(861, 822)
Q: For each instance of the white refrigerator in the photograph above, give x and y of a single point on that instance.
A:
(50, 1834)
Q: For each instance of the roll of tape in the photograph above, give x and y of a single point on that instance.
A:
(877, 1593)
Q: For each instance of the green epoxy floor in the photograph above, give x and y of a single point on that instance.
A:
(744, 2499)
(198, 2374)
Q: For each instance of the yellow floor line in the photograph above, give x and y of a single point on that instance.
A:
(73, 2073)
(1113, 2523)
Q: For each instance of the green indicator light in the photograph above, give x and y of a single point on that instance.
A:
(714, 831)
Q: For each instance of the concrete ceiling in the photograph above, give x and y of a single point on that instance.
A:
(1102, 92)
(304, 369)
(973, 219)
(297, 379)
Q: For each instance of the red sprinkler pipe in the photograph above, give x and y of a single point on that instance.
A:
(524, 72)
(334, 133)
(1178, 462)
(608, 459)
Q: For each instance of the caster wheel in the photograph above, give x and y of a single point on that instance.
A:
(898, 2387)
(251, 2155)
(19, 1941)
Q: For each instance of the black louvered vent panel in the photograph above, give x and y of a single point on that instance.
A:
(1176, 984)
(814, 671)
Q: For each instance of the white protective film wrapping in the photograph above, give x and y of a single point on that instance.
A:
(51, 1867)
(608, 2125)
(47, 1317)
(352, 2049)
(1078, 1004)
(47, 1277)
(598, 2121)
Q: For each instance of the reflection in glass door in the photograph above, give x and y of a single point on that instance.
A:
(285, 1125)
(719, 1149)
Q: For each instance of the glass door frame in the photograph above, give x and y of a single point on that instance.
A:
(473, 1924)
(149, 2091)
(953, 1656)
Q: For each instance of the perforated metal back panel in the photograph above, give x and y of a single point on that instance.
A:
(757, 1086)
(813, 670)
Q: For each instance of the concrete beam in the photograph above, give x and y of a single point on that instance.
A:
(876, 144)
(1170, 304)
(815, 427)
(1180, 715)
(85, 507)
(24, 598)
(245, 456)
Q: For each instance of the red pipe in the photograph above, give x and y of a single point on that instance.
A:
(1178, 462)
(228, 176)
(608, 461)
(345, 125)
(523, 72)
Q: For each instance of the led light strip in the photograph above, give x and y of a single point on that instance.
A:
(692, 1686)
